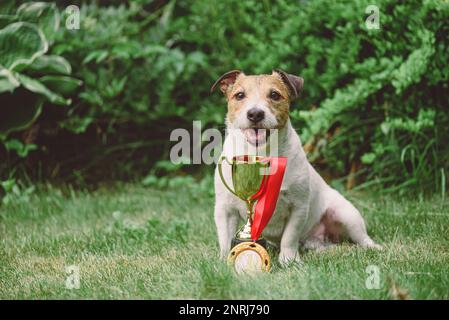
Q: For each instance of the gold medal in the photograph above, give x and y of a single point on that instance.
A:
(249, 257)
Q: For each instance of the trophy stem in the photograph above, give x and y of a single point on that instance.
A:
(245, 232)
(249, 210)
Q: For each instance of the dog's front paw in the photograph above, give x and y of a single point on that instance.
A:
(288, 257)
(369, 243)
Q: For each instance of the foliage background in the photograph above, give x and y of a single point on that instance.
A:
(374, 110)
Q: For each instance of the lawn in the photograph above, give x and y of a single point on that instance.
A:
(134, 242)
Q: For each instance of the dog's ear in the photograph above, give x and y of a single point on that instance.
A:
(226, 80)
(293, 83)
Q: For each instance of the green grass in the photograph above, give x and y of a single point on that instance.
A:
(133, 242)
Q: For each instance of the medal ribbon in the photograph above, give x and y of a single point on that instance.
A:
(268, 196)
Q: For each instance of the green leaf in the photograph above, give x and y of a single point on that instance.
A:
(150, 180)
(22, 149)
(76, 124)
(6, 19)
(7, 81)
(51, 64)
(61, 84)
(44, 15)
(368, 158)
(8, 185)
(98, 56)
(20, 44)
(37, 87)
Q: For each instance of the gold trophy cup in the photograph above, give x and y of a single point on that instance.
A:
(249, 174)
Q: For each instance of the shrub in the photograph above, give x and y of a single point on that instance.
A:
(30, 78)
(374, 103)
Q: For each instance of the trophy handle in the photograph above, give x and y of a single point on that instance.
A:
(220, 171)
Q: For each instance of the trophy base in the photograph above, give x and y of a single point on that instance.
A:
(249, 257)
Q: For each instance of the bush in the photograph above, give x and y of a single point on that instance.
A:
(374, 103)
(30, 78)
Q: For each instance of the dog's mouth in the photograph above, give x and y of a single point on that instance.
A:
(256, 136)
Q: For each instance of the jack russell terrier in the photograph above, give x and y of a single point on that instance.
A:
(308, 211)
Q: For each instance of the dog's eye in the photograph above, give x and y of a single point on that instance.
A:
(239, 95)
(274, 95)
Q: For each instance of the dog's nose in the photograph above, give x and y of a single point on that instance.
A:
(255, 114)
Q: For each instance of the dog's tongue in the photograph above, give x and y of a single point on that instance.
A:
(255, 136)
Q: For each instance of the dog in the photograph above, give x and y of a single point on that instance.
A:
(308, 212)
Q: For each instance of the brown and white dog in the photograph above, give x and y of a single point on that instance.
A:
(308, 210)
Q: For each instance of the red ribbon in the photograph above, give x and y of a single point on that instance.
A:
(268, 196)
